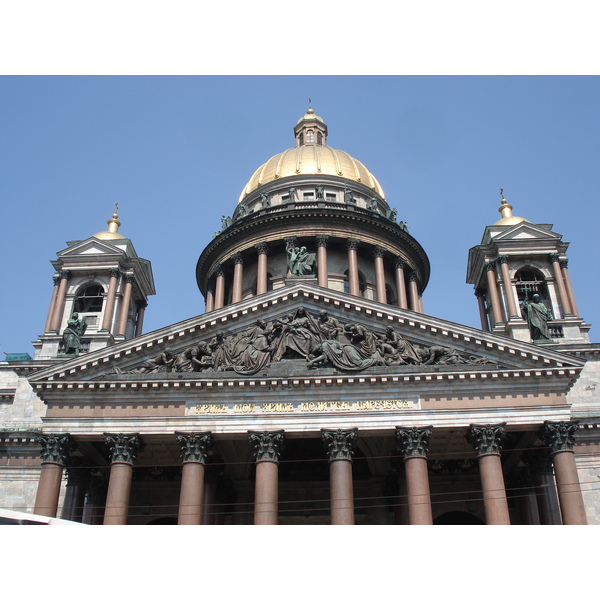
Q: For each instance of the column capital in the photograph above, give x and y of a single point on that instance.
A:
(554, 257)
(399, 263)
(413, 441)
(56, 279)
(55, 448)
(124, 448)
(141, 305)
(564, 263)
(129, 278)
(480, 293)
(219, 271)
(268, 445)
(485, 439)
(66, 274)
(352, 244)
(502, 259)
(559, 436)
(114, 273)
(413, 276)
(490, 265)
(322, 241)
(339, 443)
(195, 447)
(262, 248)
(237, 259)
(379, 252)
(290, 242)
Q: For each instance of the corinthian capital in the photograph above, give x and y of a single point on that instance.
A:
(322, 240)
(195, 447)
(485, 439)
(123, 447)
(378, 252)
(55, 448)
(559, 436)
(339, 443)
(268, 445)
(413, 441)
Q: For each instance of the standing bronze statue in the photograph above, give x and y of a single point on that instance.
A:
(537, 315)
(73, 333)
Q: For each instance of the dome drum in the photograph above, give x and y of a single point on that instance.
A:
(312, 191)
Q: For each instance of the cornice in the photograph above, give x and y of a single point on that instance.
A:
(275, 225)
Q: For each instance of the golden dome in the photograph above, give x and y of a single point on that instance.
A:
(112, 233)
(310, 158)
(507, 217)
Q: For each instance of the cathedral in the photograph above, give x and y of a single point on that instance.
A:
(315, 388)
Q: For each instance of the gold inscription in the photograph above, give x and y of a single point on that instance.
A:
(381, 404)
(277, 407)
(322, 406)
(203, 409)
(244, 408)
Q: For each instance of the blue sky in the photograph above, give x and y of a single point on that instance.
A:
(175, 152)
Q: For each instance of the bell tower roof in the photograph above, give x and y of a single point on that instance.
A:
(112, 233)
(506, 211)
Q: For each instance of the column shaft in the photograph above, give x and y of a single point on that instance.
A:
(59, 304)
(261, 278)
(109, 307)
(46, 500)
(220, 290)
(414, 294)
(562, 292)
(508, 289)
(341, 492)
(266, 495)
(485, 326)
(353, 280)
(117, 497)
(322, 271)
(210, 299)
(568, 488)
(192, 492)
(47, 326)
(417, 486)
(494, 491)
(569, 287)
(493, 291)
(401, 287)
(380, 278)
(139, 323)
(125, 301)
(238, 272)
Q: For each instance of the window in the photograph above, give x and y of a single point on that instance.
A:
(319, 138)
(310, 137)
(90, 299)
(301, 139)
(530, 281)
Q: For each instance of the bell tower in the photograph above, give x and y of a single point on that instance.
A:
(104, 284)
(519, 263)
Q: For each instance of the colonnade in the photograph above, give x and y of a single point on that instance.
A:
(339, 445)
(406, 280)
(59, 293)
(501, 313)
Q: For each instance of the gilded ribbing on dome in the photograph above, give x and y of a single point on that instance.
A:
(312, 157)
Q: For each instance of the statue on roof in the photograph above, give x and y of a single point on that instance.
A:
(73, 333)
(537, 315)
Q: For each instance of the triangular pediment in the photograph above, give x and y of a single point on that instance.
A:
(95, 246)
(460, 348)
(527, 231)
